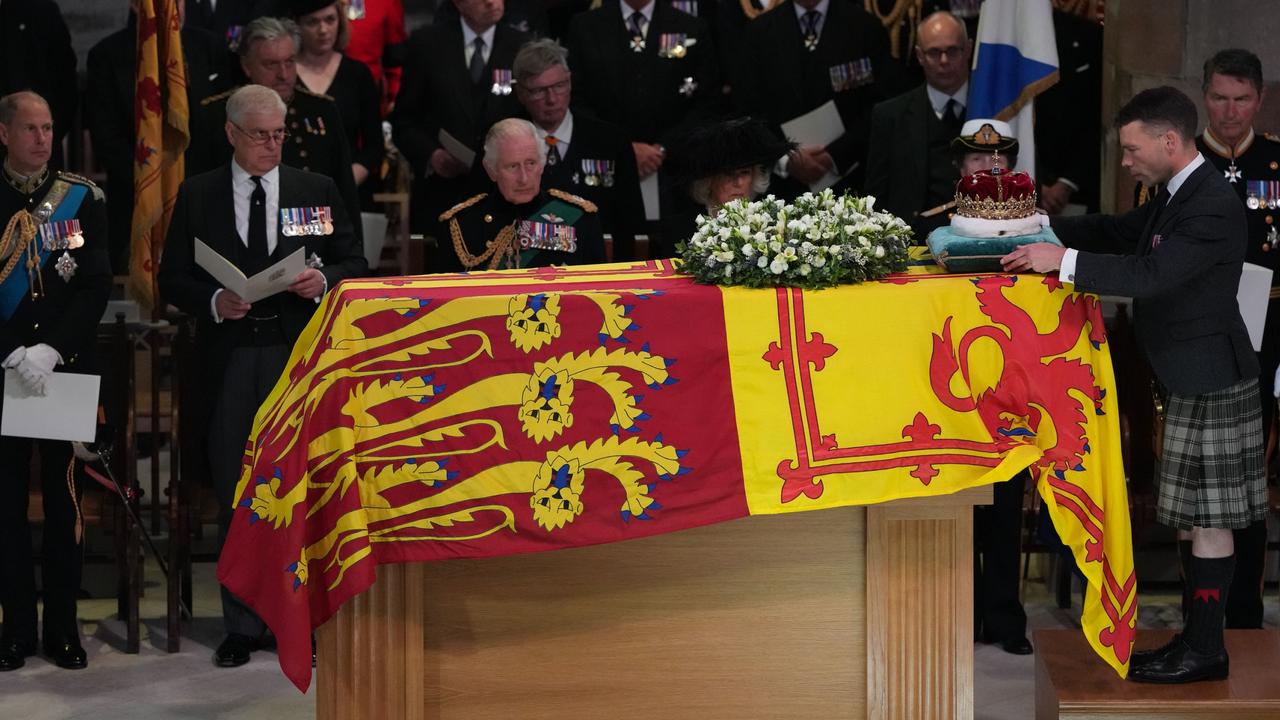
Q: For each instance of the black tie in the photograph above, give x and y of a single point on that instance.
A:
(477, 60)
(258, 255)
(811, 19)
(951, 117)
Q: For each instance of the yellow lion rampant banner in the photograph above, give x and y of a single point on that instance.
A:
(486, 414)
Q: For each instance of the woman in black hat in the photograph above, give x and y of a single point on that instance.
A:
(323, 69)
(719, 163)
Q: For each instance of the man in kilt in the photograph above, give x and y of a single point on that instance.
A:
(1179, 257)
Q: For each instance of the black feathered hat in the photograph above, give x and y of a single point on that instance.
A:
(721, 147)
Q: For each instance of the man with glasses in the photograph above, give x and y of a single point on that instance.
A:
(253, 211)
(585, 156)
(316, 139)
(812, 52)
(909, 165)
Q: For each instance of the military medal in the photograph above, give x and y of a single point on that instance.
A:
(688, 7)
(688, 87)
(1232, 172)
(847, 76)
(674, 45)
(233, 37)
(536, 235)
(314, 261)
(66, 266)
(61, 235)
(355, 10)
(501, 82)
(1251, 202)
(1261, 194)
(637, 43)
(1271, 239)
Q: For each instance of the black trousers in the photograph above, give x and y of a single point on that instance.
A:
(62, 555)
(250, 375)
(997, 534)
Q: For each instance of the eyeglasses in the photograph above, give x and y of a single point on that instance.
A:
(541, 93)
(952, 53)
(260, 137)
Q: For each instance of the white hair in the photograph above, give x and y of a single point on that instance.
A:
(504, 130)
(269, 28)
(253, 99)
(700, 189)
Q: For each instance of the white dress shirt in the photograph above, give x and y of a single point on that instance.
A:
(1067, 271)
(241, 189)
(627, 10)
(563, 134)
(469, 39)
(938, 99)
(820, 8)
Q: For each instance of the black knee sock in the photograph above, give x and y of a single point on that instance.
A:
(1184, 563)
(1209, 581)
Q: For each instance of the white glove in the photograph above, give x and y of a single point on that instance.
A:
(37, 365)
(15, 357)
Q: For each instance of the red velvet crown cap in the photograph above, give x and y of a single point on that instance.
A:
(996, 195)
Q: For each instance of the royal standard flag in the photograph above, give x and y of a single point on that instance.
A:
(495, 413)
(1015, 59)
(160, 117)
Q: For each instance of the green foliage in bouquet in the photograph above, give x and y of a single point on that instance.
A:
(817, 241)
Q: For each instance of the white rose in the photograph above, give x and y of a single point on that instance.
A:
(804, 269)
(762, 262)
(879, 251)
(778, 266)
(747, 250)
(727, 255)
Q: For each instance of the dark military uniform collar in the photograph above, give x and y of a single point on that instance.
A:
(28, 184)
(1226, 151)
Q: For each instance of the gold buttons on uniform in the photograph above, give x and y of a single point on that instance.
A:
(488, 218)
(302, 153)
(1268, 219)
(1275, 165)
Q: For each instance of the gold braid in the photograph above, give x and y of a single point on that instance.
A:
(19, 236)
(904, 15)
(75, 502)
(502, 246)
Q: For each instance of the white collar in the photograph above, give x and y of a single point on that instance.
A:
(469, 35)
(1231, 153)
(1176, 181)
(564, 133)
(646, 11)
(240, 176)
(938, 99)
(821, 8)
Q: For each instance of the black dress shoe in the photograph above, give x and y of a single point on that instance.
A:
(1017, 645)
(1142, 657)
(14, 653)
(234, 651)
(67, 654)
(1182, 664)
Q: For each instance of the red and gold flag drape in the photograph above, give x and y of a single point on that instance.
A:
(488, 414)
(160, 119)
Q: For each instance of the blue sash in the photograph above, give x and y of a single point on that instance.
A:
(15, 287)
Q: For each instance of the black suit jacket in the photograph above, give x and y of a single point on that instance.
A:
(898, 156)
(436, 93)
(206, 209)
(652, 97)
(1068, 115)
(230, 13)
(786, 80)
(621, 207)
(1184, 288)
(108, 111)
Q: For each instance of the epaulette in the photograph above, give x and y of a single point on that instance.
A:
(583, 203)
(1272, 138)
(939, 210)
(218, 98)
(312, 93)
(82, 180)
(448, 214)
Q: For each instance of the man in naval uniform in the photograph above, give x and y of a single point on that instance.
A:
(1251, 164)
(55, 276)
(253, 211)
(520, 225)
(316, 141)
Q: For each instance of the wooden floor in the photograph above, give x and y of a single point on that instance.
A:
(1071, 683)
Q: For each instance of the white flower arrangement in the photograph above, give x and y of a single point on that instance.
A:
(817, 241)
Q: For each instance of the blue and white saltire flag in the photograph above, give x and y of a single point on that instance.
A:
(1015, 59)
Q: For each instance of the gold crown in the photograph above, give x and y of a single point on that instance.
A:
(995, 195)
